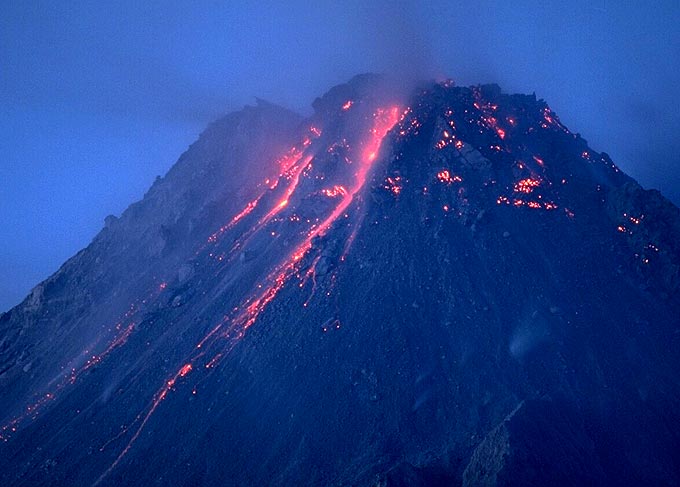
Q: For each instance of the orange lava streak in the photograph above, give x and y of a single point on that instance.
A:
(117, 342)
(209, 335)
(213, 361)
(336, 190)
(384, 120)
(239, 216)
(158, 398)
(185, 370)
(348, 243)
(32, 410)
(245, 212)
(286, 164)
(283, 202)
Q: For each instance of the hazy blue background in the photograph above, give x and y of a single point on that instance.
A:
(97, 98)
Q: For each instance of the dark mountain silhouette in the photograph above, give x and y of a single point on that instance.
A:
(441, 288)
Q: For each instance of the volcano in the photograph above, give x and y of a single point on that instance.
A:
(436, 286)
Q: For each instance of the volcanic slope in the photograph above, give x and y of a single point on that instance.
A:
(441, 288)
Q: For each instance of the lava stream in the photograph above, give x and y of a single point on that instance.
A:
(384, 120)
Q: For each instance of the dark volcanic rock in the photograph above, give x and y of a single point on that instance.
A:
(444, 288)
(539, 443)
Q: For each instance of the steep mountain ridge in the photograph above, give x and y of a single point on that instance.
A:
(442, 288)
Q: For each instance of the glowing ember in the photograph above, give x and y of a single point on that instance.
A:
(384, 120)
(348, 104)
(393, 184)
(526, 185)
(294, 175)
(446, 177)
(160, 395)
(74, 374)
(185, 370)
(335, 191)
(547, 116)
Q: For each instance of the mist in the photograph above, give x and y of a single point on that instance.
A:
(100, 99)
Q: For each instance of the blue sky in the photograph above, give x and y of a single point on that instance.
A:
(98, 98)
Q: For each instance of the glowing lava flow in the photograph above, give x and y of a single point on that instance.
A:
(32, 410)
(158, 397)
(294, 175)
(239, 216)
(69, 377)
(287, 165)
(287, 162)
(253, 306)
(384, 120)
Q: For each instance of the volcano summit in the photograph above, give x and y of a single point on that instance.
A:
(446, 287)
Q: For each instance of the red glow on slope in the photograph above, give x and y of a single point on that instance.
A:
(32, 410)
(288, 162)
(160, 395)
(393, 184)
(248, 313)
(239, 216)
(383, 121)
(185, 370)
(288, 167)
(547, 115)
(294, 175)
(117, 342)
(246, 211)
(526, 185)
(447, 178)
(335, 191)
(348, 243)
